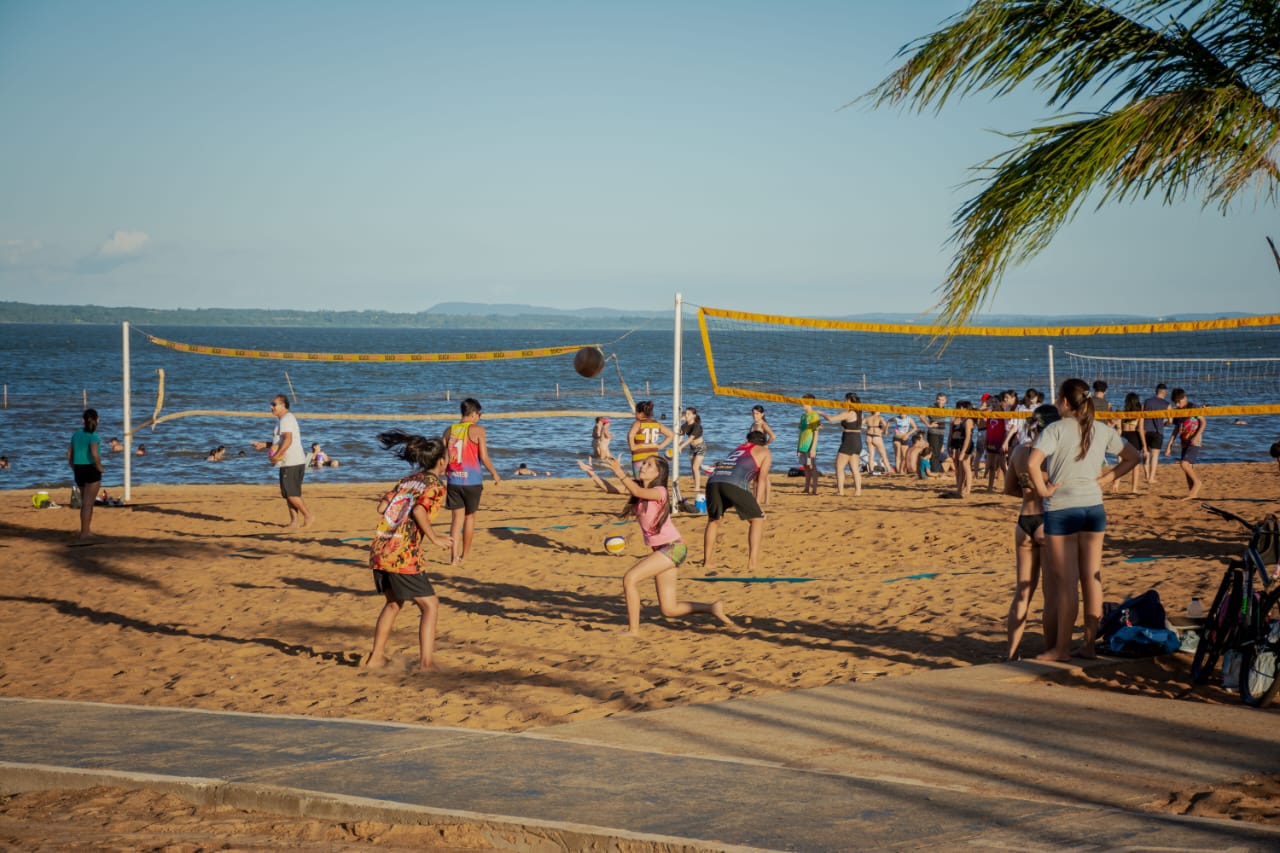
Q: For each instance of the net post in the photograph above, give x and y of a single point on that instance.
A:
(676, 414)
(128, 428)
(1053, 394)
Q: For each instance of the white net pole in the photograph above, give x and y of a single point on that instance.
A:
(128, 428)
(676, 412)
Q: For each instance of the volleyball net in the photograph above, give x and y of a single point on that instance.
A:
(1226, 366)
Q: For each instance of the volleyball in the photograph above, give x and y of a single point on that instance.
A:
(614, 545)
(589, 362)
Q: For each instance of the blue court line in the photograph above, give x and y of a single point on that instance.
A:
(357, 539)
(1142, 559)
(348, 560)
(921, 576)
(753, 580)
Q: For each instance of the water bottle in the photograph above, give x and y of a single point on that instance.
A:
(1195, 610)
(700, 503)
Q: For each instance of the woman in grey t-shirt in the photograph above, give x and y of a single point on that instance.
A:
(1075, 450)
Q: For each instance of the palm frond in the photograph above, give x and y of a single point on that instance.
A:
(1218, 142)
(1191, 102)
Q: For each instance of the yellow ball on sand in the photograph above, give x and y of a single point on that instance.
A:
(615, 545)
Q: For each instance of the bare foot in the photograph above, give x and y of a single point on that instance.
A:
(307, 520)
(1052, 656)
(627, 632)
(370, 662)
(717, 609)
(428, 667)
(1085, 652)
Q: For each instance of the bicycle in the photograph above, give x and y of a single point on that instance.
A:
(1244, 619)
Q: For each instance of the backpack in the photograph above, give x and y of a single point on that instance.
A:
(1142, 611)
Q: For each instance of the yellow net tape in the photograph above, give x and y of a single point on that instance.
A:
(992, 331)
(350, 416)
(927, 331)
(365, 357)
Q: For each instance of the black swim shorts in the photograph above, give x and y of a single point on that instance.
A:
(464, 498)
(403, 587)
(724, 496)
(86, 474)
(291, 480)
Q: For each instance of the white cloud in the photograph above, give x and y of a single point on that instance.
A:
(18, 253)
(120, 248)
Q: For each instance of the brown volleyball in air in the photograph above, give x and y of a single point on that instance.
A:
(589, 362)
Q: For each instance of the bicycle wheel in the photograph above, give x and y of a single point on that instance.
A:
(1258, 682)
(1219, 626)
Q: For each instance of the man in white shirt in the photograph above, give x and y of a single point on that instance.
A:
(288, 456)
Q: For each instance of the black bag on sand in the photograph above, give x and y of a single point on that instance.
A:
(1143, 611)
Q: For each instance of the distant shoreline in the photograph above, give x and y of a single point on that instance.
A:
(478, 316)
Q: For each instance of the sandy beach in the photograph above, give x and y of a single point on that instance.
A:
(197, 597)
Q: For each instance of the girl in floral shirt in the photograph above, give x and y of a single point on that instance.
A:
(396, 556)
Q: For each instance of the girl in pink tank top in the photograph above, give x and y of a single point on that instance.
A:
(649, 503)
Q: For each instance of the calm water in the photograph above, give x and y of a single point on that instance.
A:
(50, 371)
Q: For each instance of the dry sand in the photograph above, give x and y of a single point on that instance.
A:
(197, 597)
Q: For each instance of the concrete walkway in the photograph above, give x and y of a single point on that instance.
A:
(984, 757)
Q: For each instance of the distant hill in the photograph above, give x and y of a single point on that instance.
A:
(469, 309)
(474, 315)
(468, 316)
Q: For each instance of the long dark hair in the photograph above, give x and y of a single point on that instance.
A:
(645, 408)
(664, 474)
(1132, 402)
(853, 398)
(90, 420)
(1076, 393)
(416, 449)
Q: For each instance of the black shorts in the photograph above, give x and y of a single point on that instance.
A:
(1155, 440)
(86, 474)
(403, 587)
(1131, 436)
(850, 444)
(463, 497)
(291, 481)
(724, 496)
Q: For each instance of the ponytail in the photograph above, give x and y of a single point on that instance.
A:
(90, 420)
(1076, 393)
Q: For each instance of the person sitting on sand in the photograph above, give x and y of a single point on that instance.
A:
(649, 505)
(524, 471)
(1028, 537)
(395, 554)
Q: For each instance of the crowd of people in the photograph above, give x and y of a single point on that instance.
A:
(1053, 457)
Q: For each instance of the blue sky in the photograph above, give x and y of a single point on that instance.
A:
(397, 155)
